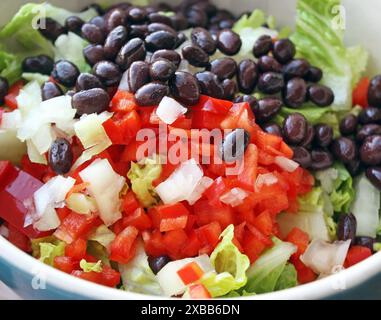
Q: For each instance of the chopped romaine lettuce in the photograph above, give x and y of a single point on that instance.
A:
(264, 274)
(288, 278)
(38, 77)
(46, 249)
(254, 20)
(141, 176)
(91, 266)
(230, 265)
(10, 66)
(102, 235)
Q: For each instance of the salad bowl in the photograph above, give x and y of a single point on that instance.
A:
(31, 279)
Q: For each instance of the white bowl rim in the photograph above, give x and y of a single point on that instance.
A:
(322, 288)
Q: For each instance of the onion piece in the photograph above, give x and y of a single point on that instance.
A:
(323, 257)
(234, 197)
(169, 280)
(202, 185)
(181, 183)
(169, 110)
(104, 186)
(286, 164)
(11, 120)
(80, 203)
(33, 154)
(267, 179)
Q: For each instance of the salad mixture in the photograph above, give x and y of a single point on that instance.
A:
(103, 175)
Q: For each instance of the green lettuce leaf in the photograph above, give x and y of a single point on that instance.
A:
(91, 266)
(102, 235)
(141, 176)
(319, 38)
(230, 265)
(48, 251)
(254, 20)
(38, 77)
(137, 276)
(264, 274)
(288, 278)
(10, 66)
(98, 251)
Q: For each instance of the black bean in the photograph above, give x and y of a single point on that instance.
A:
(65, 73)
(229, 42)
(262, 46)
(90, 101)
(133, 50)
(207, 7)
(160, 40)
(348, 125)
(136, 15)
(60, 156)
(180, 39)
(284, 50)
(4, 87)
(230, 89)
(370, 115)
(209, 84)
(184, 87)
(310, 135)
(108, 72)
(169, 55)
(247, 76)
(222, 15)
(115, 17)
(162, 70)
(156, 26)
(368, 130)
(196, 17)
(302, 156)
(99, 22)
(266, 109)
(314, 74)
(323, 135)
(94, 53)
(88, 81)
(370, 151)
(321, 159)
(114, 42)
(51, 29)
(157, 263)
(195, 56)
(366, 242)
(374, 92)
(226, 24)
(202, 38)
(272, 128)
(156, 17)
(251, 100)
(344, 149)
(138, 75)
(269, 64)
(138, 31)
(224, 68)
(50, 90)
(295, 93)
(92, 33)
(179, 22)
(321, 95)
(74, 24)
(354, 167)
(151, 94)
(374, 176)
(234, 145)
(271, 83)
(346, 228)
(297, 68)
(294, 128)
(39, 64)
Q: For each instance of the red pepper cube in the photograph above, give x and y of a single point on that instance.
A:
(198, 291)
(190, 273)
(169, 217)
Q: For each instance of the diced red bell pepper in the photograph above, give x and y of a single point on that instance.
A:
(300, 239)
(13, 195)
(174, 241)
(264, 223)
(153, 243)
(34, 169)
(75, 226)
(13, 92)
(19, 239)
(254, 243)
(360, 93)
(305, 274)
(190, 273)
(66, 264)
(77, 249)
(192, 246)
(108, 277)
(130, 203)
(138, 219)
(199, 291)
(209, 236)
(123, 247)
(123, 102)
(241, 116)
(356, 254)
(219, 187)
(206, 213)
(63, 212)
(169, 217)
(248, 175)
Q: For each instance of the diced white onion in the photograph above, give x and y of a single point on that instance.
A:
(170, 281)
(104, 186)
(43, 138)
(267, 179)
(203, 184)
(234, 197)
(181, 183)
(33, 154)
(11, 120)
(169, 110)
(323, 257)
(29, 98)
(102, 235)
(286, 164)
(80, 203)
(90, 131)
